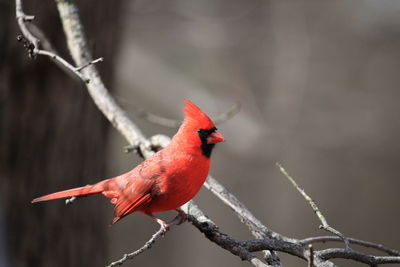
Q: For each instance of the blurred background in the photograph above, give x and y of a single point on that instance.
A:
(317, 82)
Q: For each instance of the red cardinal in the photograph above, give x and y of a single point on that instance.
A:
(165, 181)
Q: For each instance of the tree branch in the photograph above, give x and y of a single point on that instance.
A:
(323, 239)
(345, 253)
(320, 257)
(31, 43)
(315, 208)
(211, 231)
(105, 102)
(258, 229)
(146, 246)
(170, 123)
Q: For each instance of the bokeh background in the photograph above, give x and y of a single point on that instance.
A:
(318, 84)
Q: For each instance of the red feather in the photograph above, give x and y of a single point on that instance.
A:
(168, 179)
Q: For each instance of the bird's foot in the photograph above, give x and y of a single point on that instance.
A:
(164, 227)
(180, 218)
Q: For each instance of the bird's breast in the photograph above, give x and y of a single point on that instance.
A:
(179, 182)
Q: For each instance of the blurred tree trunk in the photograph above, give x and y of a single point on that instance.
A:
(52, 137)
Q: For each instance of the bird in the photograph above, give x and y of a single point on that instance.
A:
(165, 181)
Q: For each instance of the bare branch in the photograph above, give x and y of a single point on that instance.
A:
(241, 210)
(156, 119)
(371, 260)
(257, 229)
(210, 230)
(100, 59)
(160, 233)
(31, 43)
(170, 123)
(323, 239)
(320, 257)
(80, 53)
(315, 208)
(49, 51)
(227, 115)
(145, 247)
(22, 18)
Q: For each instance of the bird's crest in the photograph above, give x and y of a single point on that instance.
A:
(194, 114)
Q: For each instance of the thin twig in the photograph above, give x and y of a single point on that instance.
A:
(145, 247)
(100, 59)
(171, 123)
(344, 253)
(64, 63)
(160, 233)
(46, 46)
(32, 44)
(227, 115)
(325, 226)
(132, 148)
(156, 119)
(367, 244)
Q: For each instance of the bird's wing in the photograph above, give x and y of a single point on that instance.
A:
(141, 186)
(137, 193)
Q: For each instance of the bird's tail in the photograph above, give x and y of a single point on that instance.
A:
(80, 191)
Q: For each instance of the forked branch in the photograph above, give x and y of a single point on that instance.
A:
(315, 208)
(32, 44)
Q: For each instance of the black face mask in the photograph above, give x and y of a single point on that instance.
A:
(206, 149)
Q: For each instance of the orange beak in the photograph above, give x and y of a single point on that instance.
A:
(215, 137)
